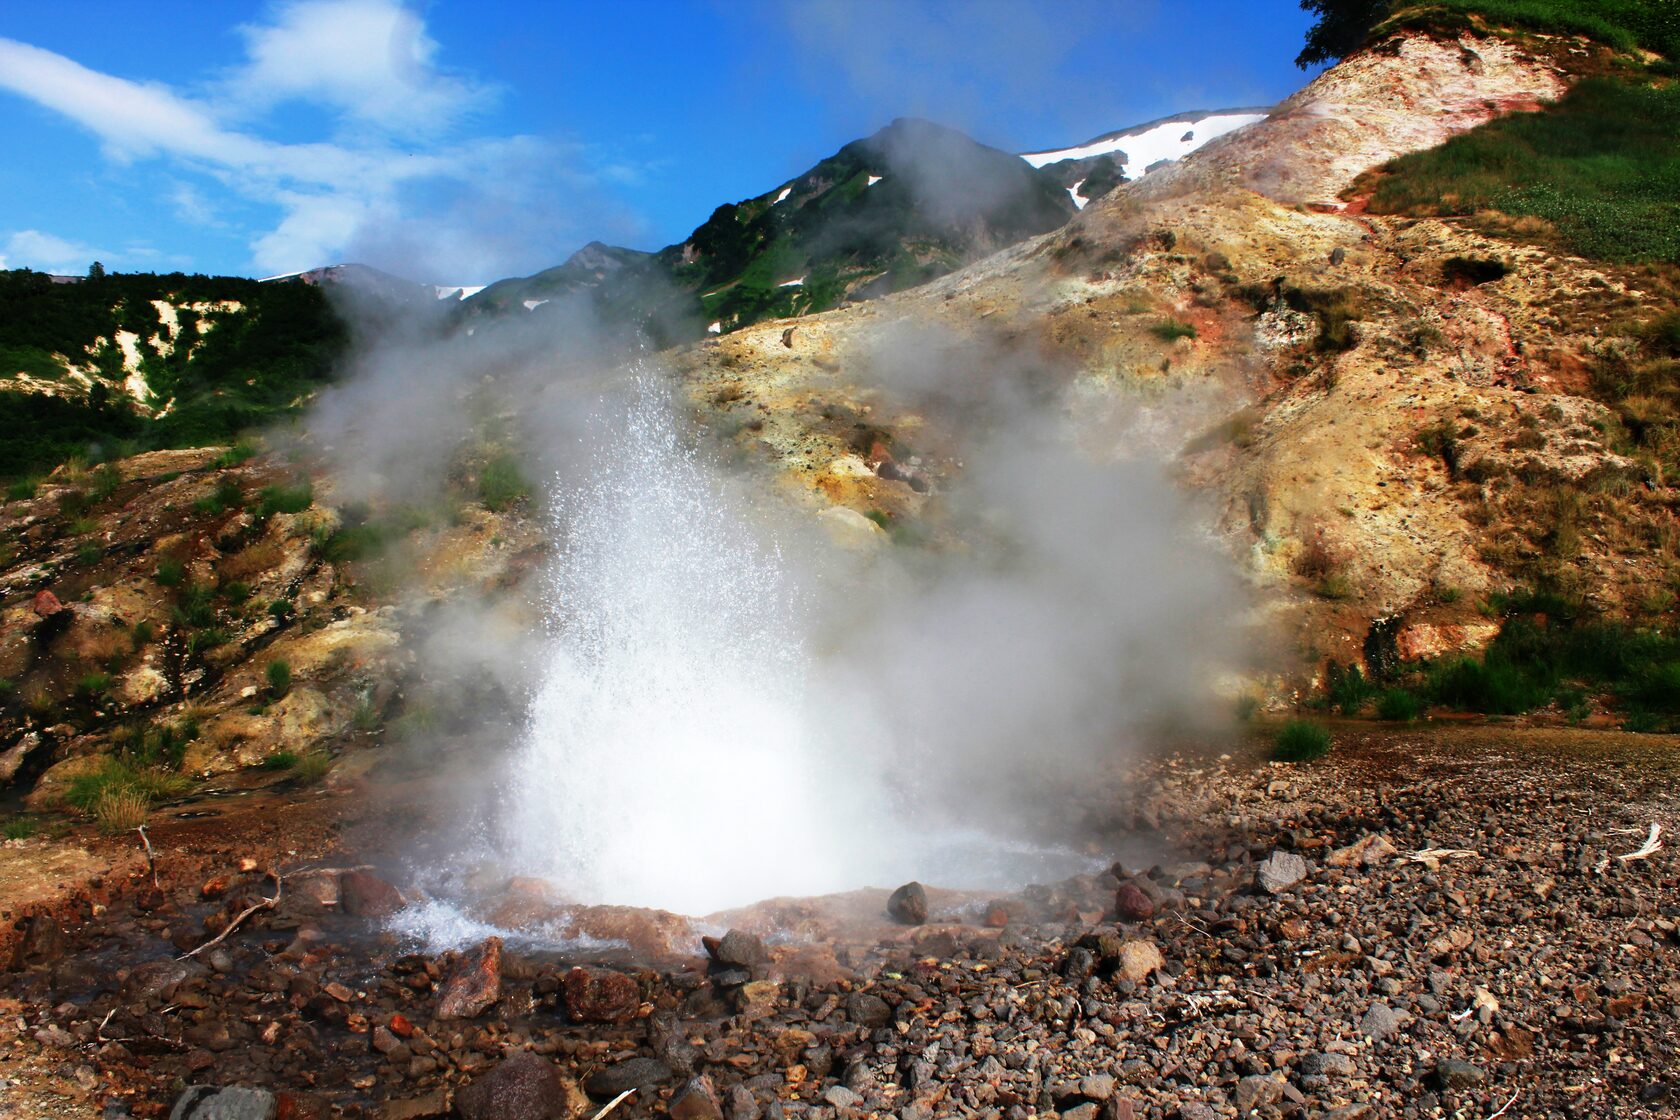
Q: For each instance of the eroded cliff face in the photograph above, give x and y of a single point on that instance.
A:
(1385, 416)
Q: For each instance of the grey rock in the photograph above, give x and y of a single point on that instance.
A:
(1380, 1022)
(1279, 871)
(636, 1073)
(1455, 1073)
(867, 1010)
(234, 1102)
(1327, 1065)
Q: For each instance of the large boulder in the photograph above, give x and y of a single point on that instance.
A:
(525, 1086)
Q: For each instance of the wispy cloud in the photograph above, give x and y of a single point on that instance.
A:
(369, 60)
(395, 158)
(44, 252)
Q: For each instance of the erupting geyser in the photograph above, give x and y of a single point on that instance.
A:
(671, 757)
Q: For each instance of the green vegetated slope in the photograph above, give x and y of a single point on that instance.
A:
(1601, 168)
(1343, 26)
(910, 203)
(1595, 175)
(222, 355)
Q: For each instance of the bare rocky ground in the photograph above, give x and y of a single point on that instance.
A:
(1430, 923)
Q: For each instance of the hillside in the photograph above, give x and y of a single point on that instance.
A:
(882, 214)
(1410, 428)
(141, 360)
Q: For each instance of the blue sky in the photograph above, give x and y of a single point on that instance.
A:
(459, 141)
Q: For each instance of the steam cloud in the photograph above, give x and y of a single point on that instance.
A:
(720, 705)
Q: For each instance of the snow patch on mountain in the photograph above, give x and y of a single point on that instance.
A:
(1148, 144)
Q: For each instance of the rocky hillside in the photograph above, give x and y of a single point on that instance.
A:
(882, 214)
(1394, 418)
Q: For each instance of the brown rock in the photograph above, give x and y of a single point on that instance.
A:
(45, 604)
(1138, 960)
(475, 984)
(1001, 911)
(908, 904)
(432, 1105)
(696, 1100)
(368, 896)
(1368, 852)
(600, 995)
(523, 1087)
(215, 886)
(400, 1026)
(1132, 904)
(300, 1106)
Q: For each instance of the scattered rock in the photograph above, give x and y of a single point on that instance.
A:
(1455, 1073)
(908, 905)
(696, 1100)
(633, 1073)
(737, 949)
(368, 896)
(1279, 871)
(1132, 903)
(476, 983)
(600, 995)
(868, 1010)
(1380, 1022)
(524, 1086)
(1138, 961)
(1256, 1092)
(1371, 851)
(235, 1102)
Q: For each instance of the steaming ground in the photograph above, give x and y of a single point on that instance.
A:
(729, 708)
(683, 750)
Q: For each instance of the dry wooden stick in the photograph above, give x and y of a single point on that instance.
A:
(260, 904)
(612, 1104)
(151, 860)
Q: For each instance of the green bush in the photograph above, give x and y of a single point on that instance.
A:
(170, 572)
(1301, 740)
(19, 828)
(1347, 690)
(279, 677)
(1171, 330)
(1399, 706)
(279, 498)
(85, 791)
(501, 484)
(279, 760)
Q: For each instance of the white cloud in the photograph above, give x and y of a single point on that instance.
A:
(369, 59)
(45, 252)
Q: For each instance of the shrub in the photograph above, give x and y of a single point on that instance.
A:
(170, 572)
(224, 497)
(22, 489)
(19, 828)
(1346, 690)
(501, 485)
(365, 717)
(104, 482)
(279, 760)
(1171, 330)
(312, 767)
(94, 684)
(281, 610)
(1399, 706)
(153, 784)
(279, 498)
(208, 638)
(235, 455)
(1301, 740)
(120, 810)
(279, 677)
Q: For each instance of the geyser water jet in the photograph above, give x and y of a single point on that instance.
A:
(682, 750)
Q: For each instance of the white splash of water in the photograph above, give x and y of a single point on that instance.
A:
(679, 753)
(670, 759)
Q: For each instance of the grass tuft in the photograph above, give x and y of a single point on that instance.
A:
(1301, 740)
